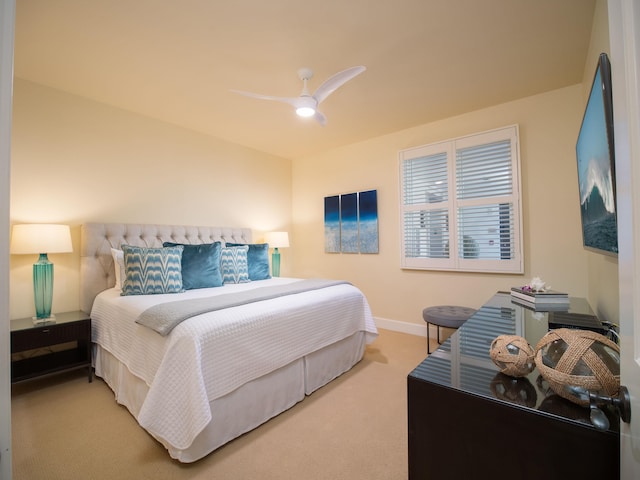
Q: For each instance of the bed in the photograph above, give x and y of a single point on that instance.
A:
(238, 355)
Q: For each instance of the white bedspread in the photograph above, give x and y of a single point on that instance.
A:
(212, 354)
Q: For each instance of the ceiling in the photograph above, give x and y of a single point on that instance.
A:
(178, 60)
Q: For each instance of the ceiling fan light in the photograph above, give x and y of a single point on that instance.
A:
(305, 111)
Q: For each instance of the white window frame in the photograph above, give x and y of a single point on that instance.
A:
(454, 262)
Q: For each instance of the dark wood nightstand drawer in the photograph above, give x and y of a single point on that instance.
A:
(71, 331)
(49, 335)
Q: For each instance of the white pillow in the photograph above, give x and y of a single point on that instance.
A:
(118, 263)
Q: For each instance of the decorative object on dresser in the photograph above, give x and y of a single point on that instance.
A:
(276, 240)
(41, 239)
(38, 350)
(513, 355)
(539, 296)
(578, 362)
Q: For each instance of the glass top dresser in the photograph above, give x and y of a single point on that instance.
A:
(468, 420)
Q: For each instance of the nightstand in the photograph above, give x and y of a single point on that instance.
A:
(73, 328)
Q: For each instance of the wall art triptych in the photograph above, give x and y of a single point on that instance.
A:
(351, 223)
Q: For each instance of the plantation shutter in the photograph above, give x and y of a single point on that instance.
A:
(426, 225)
(461, 205)
(483, 176)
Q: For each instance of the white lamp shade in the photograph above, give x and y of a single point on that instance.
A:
(40, 238)
(277, 239)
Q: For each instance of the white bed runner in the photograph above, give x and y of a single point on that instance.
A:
(212, 354)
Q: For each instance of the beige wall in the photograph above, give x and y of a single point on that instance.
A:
(548, 126)
(75, 161)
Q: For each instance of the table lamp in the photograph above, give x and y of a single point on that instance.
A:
(276, 240)
(41, 239)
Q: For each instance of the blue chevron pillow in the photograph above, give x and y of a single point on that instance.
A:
(152, 270)
(234, 265)
(257, 258)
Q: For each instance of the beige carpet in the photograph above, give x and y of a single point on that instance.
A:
(353, 428)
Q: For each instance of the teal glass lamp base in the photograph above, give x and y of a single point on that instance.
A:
(43, 288)
(275, 263)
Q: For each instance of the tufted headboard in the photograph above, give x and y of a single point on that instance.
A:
(97, 272)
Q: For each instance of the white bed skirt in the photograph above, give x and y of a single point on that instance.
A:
(248, 406)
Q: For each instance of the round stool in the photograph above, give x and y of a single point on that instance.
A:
(448, 316)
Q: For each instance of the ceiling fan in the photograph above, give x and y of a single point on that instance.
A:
(306, 105)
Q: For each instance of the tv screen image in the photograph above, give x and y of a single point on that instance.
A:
(596, 166)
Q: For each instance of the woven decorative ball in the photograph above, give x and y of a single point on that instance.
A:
(578, 362)
(513, 355)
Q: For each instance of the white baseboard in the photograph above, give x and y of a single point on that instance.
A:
(402, 327)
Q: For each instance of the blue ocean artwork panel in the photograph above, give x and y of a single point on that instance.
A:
(595, 176)
(349, 223)
(368, 221)
(332, 224)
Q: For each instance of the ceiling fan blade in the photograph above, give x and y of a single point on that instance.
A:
(320, 118)
(290, 100)
(336, 81)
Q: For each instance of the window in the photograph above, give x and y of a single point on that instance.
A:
(460, 204)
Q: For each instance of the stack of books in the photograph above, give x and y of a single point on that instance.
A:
(543, 300)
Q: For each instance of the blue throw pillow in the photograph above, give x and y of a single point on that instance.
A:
(152, 270)
(233, 262)
(258, 260)
(200, 265)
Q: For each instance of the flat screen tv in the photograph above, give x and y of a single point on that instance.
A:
(596, 166)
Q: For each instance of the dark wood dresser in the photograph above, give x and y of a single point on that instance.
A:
(468, 420)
